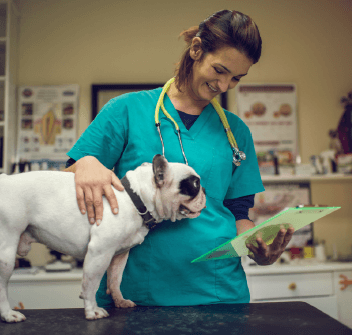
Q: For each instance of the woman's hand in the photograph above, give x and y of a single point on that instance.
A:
(93, 180)
(268, 254)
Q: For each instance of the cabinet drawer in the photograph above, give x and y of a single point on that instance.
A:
(291, 285)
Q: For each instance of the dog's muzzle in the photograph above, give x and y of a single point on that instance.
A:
(184, 210)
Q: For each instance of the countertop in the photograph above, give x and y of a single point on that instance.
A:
(304, 178)
(245, 319)
(298, 266)
(304, 265)
(42, 275)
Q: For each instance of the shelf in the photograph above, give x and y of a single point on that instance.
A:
(299, 266)
(294, 178)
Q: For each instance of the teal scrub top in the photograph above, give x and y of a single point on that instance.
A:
(159, 271)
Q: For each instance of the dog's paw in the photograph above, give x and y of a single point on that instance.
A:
(124, 303)
(96, 313)
(13, 316)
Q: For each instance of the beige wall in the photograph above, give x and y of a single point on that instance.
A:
(306, 42)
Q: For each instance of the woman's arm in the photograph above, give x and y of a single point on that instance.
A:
(244, 225)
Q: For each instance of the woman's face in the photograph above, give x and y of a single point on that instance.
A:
(217, 72)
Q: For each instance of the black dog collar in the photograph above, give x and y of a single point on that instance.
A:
(148, 219)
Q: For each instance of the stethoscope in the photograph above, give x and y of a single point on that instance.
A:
(238, 155)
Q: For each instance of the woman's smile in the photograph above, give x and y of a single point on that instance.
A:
(212, 88)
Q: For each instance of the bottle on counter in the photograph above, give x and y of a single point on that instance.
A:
(320, 252)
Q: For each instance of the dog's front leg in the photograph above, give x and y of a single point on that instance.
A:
(115, 271)
(94, 267)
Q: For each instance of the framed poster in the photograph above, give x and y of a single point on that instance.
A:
(270, 112)
(47, 121)
(102, 93)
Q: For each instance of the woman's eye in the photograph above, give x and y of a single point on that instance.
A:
(217, 70)
(236, 79)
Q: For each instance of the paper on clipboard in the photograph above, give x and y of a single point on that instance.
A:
(297, 217)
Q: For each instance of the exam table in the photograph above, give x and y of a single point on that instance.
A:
(255, 318)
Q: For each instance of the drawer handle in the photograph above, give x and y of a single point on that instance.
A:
(292, 286)
(345, 282)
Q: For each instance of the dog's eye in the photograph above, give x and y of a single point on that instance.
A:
(190, 186)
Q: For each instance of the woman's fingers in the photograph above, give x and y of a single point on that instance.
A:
(110, 195)
(98, 205)
(93, 180)
(89, 199)
(80, 200)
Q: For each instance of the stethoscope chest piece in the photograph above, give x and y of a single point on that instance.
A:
(238, 156)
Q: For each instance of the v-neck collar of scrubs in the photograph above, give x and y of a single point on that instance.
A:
(198, 124)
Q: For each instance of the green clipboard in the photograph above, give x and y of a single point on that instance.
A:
(267, 230)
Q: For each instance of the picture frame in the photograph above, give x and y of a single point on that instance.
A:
(270, 111)
(102, 93)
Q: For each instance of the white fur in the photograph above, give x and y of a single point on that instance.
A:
(42, 207)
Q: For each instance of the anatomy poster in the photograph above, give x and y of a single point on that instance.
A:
(47, 121)
(270, 112)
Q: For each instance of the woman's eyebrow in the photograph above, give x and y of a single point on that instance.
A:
(225, 68)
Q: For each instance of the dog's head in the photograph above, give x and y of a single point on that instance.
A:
(179, 193)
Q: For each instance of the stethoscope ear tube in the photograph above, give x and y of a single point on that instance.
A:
(161, 138)
(179, 138)
(238, 155)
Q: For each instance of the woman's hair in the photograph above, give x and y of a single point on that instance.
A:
(225, 28)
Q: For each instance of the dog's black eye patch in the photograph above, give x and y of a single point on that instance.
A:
(190, 186)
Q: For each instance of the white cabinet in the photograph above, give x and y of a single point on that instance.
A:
(319, 284)
(343, 289)
(46, 290)
(8, 77)
(294, 285)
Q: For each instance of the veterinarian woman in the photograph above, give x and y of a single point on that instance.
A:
(220, 51)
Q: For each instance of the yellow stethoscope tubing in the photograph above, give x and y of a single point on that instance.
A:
(238, 155)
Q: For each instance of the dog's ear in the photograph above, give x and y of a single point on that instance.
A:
(160, 169)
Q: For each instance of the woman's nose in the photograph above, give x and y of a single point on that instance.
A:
(225, 85)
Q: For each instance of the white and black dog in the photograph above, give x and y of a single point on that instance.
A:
(41, 207)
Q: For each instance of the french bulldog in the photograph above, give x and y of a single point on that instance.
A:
(41, 207)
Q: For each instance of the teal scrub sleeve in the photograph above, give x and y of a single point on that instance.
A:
(246, 179)
(106, 137)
